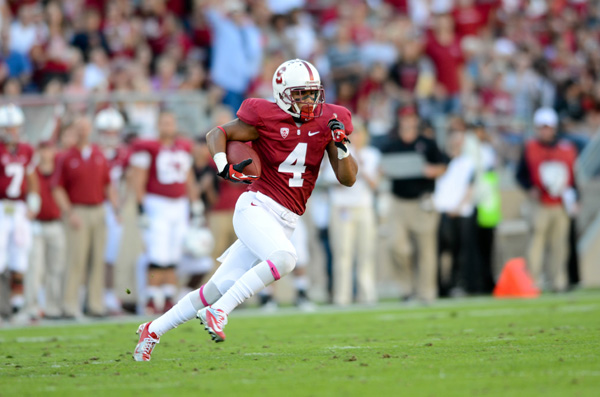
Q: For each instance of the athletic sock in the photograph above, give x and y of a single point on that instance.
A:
(183, 311)
(246, 286)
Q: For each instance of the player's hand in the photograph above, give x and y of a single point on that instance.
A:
(338, 132)
(234, 172)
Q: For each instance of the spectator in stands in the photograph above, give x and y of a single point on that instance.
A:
(13, 64)
(443, 47)
(88, 35)
(166, 78)
(412, 206)
(236, 51)
(82, 182)
(97, 70)
(546, 173)
(376, 104)
(344, 57)
(24, 32)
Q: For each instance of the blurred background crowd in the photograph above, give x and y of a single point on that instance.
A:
(463, 77)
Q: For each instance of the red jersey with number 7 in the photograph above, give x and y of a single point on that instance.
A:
(290, 154)
(15, 165)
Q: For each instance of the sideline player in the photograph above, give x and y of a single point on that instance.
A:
(19, 200)
(109, 123)
(162, 178)
(290, 137)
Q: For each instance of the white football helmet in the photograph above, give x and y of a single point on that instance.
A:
(198, 242)
(11, 116)
(109, 119)
(298, 76)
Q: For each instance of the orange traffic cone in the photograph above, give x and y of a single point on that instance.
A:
(515, 281)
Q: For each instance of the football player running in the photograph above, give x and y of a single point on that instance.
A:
(290, 136)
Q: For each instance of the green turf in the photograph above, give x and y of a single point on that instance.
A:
(479, 347)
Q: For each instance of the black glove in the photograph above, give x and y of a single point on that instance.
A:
(234, 172)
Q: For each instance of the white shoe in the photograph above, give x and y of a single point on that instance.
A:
(146, 344)
(214, 320)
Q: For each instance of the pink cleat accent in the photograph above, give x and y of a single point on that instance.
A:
(202, 298)
(214, 321)
(146, 344)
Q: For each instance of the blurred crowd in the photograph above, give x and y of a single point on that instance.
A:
(494, 60)
(470, 71)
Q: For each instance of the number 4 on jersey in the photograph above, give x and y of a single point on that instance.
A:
(294, 164)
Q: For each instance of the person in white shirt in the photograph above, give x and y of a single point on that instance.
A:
(453, 198)
(352, 230)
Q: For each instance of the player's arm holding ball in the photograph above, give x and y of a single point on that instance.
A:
(343, 164)
(235, 130)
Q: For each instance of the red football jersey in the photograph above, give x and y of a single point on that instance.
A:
(168, 167)
(290, 155)
(15, 166)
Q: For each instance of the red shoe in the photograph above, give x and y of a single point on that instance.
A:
(214, 321)
(146, 344)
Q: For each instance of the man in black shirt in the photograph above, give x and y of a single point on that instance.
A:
(413, 215)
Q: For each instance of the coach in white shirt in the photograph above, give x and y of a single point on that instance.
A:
(352, 229)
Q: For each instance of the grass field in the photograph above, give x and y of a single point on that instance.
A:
(475, 347)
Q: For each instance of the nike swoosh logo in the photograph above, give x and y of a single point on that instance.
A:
(310, 133)
(253, 204)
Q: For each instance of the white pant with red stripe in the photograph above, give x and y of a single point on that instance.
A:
(263, 227)
(15, 236)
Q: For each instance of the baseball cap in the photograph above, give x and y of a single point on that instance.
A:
(545, 116)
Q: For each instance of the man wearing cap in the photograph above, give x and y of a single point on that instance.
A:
(546, 172)
(412, 206)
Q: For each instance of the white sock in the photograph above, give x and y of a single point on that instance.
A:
(246, 286)
(183, 311)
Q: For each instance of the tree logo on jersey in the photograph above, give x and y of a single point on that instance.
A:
(284, 132)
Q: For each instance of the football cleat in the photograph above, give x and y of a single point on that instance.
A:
(214, 320)
(146, 344)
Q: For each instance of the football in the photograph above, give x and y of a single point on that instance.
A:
(240, 151)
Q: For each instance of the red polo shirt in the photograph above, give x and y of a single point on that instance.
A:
(84, 180)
